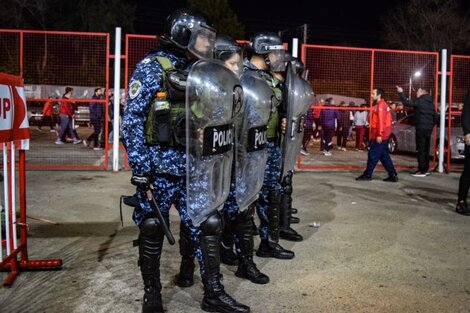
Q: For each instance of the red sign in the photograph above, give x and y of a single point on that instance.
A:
(13, 118)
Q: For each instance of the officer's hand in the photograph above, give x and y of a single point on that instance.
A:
(200, 135)
(283, 125)
(467, 139)
(142, 181)
(399, 89)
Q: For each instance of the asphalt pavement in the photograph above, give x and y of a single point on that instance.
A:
(380, 247)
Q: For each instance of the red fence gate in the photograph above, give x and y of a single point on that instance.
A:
(48, 62)
(459, 86)
(350, 74)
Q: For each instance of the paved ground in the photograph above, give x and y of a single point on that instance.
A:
(381, 247)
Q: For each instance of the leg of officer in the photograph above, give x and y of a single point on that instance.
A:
(286, 231)
(269, 206)
(207, 237)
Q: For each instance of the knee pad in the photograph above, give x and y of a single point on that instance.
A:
(151, 227)
(213, 225)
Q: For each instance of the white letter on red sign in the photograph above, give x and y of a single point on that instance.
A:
(5, 107)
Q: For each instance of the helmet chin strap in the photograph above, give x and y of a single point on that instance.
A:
(267, 61)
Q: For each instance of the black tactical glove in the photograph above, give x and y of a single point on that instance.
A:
(142, 181)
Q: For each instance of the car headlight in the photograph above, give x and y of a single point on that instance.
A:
(459, 139)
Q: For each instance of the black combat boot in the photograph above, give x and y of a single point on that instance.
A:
(462, 208)
(227, 255)
(215, 298)
(294, 219)
(246, 267)
(269, 248)
(287, 232)
(150, 250)
(185, 278)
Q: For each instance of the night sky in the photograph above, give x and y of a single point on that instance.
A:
(331, 22)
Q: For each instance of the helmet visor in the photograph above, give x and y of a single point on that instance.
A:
(277, 60)
(202, 42)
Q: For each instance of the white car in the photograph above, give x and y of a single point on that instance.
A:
(403, 137)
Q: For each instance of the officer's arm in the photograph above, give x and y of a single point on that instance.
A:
(143, 85)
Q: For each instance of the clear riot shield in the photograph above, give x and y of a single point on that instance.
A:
(299, 95)
(251, 153)
(213, 94)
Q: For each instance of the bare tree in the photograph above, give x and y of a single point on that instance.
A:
(429, 25)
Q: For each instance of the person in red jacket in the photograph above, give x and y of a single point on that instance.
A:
(66, 116)
(47, 112)
(380, 131)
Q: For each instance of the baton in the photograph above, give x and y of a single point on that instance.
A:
(153, 204)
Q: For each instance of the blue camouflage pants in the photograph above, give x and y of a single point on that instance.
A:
(170, 190)
(272, 174)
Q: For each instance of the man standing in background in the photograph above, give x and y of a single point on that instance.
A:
(425, 118)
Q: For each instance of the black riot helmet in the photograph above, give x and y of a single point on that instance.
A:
(189, 30)
(225, 46)
(270, 45)
(227, 50)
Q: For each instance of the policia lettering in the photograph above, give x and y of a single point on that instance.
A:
(257, 138)
(218, 139)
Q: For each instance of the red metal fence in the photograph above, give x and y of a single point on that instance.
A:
(48, 62)
(350, 74)
(459, 86)
(137, 46)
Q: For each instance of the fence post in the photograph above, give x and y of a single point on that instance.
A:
(117, 91)
(295, 47)
(442, 109)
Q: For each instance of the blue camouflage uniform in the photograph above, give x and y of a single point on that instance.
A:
(166, 164)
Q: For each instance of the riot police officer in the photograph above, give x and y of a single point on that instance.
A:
(298, 95)
(250, 128)
(246, 180)
(268, 56)
(153, 138)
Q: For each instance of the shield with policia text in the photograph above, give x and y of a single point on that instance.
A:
(298, 97)
(251, 152)
(213, 95)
